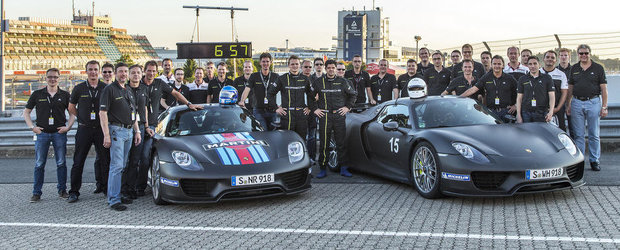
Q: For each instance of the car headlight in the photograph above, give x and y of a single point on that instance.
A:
(185, 161)
(295, 152)
(470, 152)
(568, 143)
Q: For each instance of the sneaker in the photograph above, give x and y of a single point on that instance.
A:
(72, 198)
(595, 166)
(63, 194)
(126, 200)
(35, 198)
(345, 172)
(322, 174)
(98, 190)
(118, 207)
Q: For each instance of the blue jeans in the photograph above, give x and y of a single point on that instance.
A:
(41, 146)
(264, 117)
(119, 153)
(582, 113)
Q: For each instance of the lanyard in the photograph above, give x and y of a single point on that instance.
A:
(265, 84)
(92, 100)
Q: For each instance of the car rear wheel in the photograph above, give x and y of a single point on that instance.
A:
(155, 182)
(425, 171)
(332, 156)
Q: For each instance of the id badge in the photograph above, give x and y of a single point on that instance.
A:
(533, 102)
(379, 97)
(496, 100)
(138, 118)
(92, 116)
(133, 116)
(50, 121)
(266, 101)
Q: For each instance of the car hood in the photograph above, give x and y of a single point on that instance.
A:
(514, 140)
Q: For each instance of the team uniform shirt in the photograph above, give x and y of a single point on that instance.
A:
(167, 80)
(498, 92)
(198, 93)
(140, 97)
(382, 88)
(458, 70)
(259, 84)
(586, 83)
(423, 69)
(154, 92)
(215, 86)
(334, 93)
(460, 85)
(239, 83)
(119, 103)
(86, 98)
(171, 101)
(565, 70)
(559, 82)
(403, 80)
(437, 82)
(359, 82)
(295, 92)
(518, 72)
(50, 110)
(535, 91)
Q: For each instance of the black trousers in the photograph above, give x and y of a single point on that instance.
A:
(561, 114)
(332, 125)
(295, 120)
(130, 172)
(84, 138)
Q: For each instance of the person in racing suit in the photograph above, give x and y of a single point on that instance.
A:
(336, 98)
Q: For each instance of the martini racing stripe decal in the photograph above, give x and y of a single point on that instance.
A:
(259, 149)
(237, 148)
(252, 150)
(241, 152)
(230, 152)
(220, 151)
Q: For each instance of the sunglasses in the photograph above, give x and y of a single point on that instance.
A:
(307, 67)
(318, 64)
(584, 53)
(107, 72)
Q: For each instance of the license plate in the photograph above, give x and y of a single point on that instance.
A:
(537, 174)
(252, 179)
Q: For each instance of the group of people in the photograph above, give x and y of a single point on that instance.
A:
(118, 113)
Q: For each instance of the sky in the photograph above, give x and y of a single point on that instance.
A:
(268, 23)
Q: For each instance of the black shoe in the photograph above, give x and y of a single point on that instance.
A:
(98, 190)
(72, 198)
(63, 194)
(118, 207)
(35, 198)
(595, 166)
(132, 195)
(126, 200)
(140, 193)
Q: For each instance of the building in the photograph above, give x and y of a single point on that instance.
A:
(35, 44)
(366, 33)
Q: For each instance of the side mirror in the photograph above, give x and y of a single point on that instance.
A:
(390, 126)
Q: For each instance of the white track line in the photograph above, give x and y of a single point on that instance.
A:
(320, 231)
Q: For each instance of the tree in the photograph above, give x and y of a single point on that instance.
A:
(189, 69)
(125, 59)
(240, 61)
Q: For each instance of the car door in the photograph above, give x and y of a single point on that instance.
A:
(389, 150)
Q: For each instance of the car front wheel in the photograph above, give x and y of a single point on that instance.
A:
(425, 171)
(155, 181)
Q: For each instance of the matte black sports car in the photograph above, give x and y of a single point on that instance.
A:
(455, 146)
(222, 153)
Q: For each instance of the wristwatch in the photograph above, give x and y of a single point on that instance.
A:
(605, 108)
(138, 131)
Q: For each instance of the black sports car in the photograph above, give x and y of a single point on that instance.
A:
(222, 153)
(455, 146)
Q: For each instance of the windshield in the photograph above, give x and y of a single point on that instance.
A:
(212, 120)
(451, 113)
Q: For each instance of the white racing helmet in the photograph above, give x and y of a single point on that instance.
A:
(416, 88)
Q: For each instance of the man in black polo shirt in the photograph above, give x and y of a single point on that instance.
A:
(155, 88)
(383, 86)
(294, 89)
(455, 57)
(438, 78)
(403, 80)
(461, 84)
(425, 63)
(84, 104)
(564, 65)
(499, 90)
(240, 82)
(360, 79)
(587, 85)
(485, 60)
(51, 103)
(535, 95)
(468, 54)
(258, 85)
(129, 178)
(120, 127)
(218, 83)
(178, 85)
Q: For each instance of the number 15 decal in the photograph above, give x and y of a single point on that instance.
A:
(394, 145)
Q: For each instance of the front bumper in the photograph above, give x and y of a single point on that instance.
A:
(214, 186)
(505, 176)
